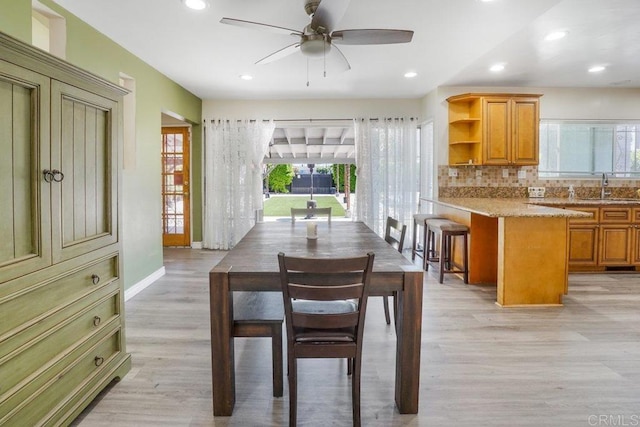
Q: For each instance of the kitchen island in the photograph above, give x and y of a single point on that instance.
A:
(519, 246)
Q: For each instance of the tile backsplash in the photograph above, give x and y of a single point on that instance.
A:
(507, 182)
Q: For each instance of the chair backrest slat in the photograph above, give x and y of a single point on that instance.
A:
(395, 233)
(325, 293)
(325, 321)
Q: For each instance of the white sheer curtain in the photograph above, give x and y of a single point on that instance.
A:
(388, 171)
(234, 151)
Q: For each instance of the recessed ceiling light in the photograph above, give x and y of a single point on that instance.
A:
(246, 77)
(410, 74)
(597, 68)
(556, 35)
(196, 4)
(496, 67)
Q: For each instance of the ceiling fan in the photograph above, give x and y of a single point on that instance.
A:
(318, 38)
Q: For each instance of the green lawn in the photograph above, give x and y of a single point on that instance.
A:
(281, 205)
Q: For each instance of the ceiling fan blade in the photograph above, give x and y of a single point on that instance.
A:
(279, 54)
(341, 61)
(259, 26)
(328, 14)
(371, 36)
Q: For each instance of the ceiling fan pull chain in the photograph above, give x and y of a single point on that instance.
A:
(324, 56)
(307, 72)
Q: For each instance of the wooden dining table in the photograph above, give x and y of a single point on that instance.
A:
(252, 265)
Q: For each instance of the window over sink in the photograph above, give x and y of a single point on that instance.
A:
(586, 148)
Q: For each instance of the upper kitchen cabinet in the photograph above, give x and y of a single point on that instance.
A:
(493, 129)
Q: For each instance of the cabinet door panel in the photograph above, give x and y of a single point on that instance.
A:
(83, 127)
(24, 196)
(525, 131)
(496, 136)
(583, 245)
(615, 246)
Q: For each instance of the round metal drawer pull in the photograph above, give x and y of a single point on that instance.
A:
(96, 320)
(98, 360)
(95, 279)
(48, 175)
(53, 175)
(57, 175)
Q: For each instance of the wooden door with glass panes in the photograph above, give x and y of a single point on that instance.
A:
(175, 187)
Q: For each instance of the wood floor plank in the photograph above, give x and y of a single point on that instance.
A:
(481, 364)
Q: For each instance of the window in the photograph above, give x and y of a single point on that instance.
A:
(589, 147)
(48, 30)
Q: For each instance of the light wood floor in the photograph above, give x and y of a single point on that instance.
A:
(482, 365)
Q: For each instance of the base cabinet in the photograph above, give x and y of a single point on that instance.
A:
(62, 334)
(608, 240)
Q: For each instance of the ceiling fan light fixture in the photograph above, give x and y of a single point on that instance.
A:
(315, 45)
(196, 4)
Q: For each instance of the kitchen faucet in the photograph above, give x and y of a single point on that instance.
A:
(604, 183)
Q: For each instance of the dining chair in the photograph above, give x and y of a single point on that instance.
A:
(394, 235)
(325, 300)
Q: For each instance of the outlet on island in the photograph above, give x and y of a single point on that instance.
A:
(536, 191)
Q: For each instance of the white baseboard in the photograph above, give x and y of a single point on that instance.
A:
(196, 245)
(143, 284)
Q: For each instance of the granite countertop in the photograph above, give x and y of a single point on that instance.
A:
(509, 207)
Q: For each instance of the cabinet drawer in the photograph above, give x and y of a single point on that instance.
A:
(38, 354)
(32, 405)
(615, 215)
(636, 214)
(26, 307)
(595, 211)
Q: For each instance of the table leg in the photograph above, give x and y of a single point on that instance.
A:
(222, 354)
(409, 324)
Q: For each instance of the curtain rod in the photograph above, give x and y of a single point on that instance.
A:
(322, 120)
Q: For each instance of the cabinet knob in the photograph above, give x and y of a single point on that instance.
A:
(96, 320)
(95, 279)
(98, 360)
(52, 175)
(47, 175)
(57, 175)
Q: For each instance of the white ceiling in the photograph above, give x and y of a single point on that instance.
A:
(455, 42)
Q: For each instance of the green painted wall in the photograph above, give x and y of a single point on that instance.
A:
(15, 19)
(155, 93)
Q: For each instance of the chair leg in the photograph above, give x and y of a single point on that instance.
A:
(293, 391)
(276, 358)
(427, 248)
(385, 302)
(442, 256)
(466, 259)
(414, 246)
(355, 392)
(349, 366)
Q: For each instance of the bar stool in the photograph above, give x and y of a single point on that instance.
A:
(443, 257)
(419, 220)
